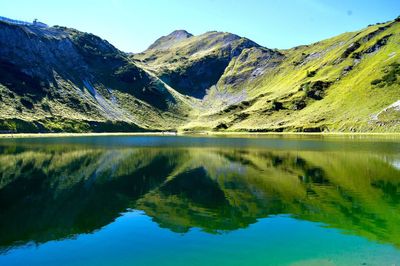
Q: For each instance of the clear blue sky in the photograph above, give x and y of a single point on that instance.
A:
(132, 25)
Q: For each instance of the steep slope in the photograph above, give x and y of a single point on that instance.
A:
(60, 79)
(193, 64)
(346, 83)
(55, 78)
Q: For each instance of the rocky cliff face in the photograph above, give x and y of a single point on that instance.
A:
(52, 74)
(61, 79)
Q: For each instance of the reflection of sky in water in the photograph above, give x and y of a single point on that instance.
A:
(231, 167)
(396, 164)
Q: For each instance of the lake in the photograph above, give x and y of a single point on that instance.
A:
(187, 200)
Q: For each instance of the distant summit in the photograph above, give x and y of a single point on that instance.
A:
(166, 42)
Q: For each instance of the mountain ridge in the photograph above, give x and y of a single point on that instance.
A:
(56, 79)
(192, 65)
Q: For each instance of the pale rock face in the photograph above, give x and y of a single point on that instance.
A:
(38, 53)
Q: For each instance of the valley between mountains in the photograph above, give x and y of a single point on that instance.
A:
(58, 79)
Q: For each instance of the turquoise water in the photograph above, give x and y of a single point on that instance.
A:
(200, 201)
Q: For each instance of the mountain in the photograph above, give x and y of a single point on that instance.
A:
(192, 65)
(61, 79)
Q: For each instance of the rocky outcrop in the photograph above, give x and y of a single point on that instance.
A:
(250, 64)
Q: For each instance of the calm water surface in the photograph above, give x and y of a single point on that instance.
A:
(148, 200)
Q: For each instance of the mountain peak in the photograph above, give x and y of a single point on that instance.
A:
(167, 41)
(180, 33)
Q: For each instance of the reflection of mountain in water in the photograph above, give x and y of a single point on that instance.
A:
(53, 193)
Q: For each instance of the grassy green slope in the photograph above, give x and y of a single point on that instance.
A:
(340, 84)
(60, 79)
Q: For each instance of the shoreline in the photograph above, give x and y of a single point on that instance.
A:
(55, 135)
(202, 134)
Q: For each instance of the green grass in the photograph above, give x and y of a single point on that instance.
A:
(345, 105)
(336, 85)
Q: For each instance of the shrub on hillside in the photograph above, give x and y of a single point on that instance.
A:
(311, 73)
(390, 77)
(277, 106)
(299, 104)
(315, 89)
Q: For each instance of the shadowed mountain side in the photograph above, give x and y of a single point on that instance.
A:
(192, 65)
(61, 79)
